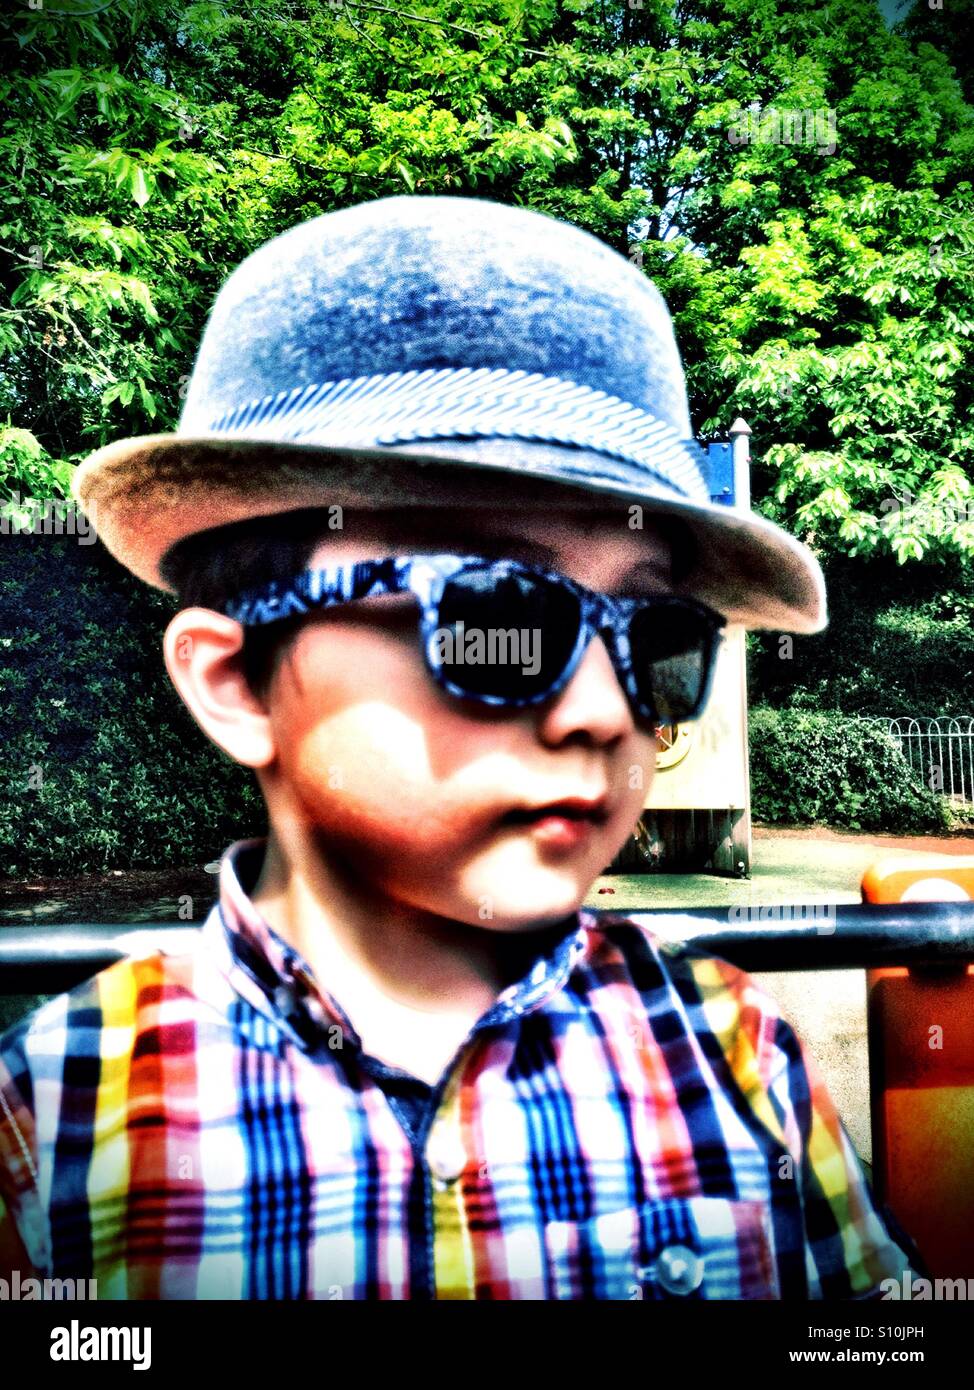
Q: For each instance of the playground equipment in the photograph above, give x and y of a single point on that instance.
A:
(921, 1072)
(697, 815)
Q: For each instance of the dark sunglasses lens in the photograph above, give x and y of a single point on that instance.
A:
(672, 648)
(508, 635)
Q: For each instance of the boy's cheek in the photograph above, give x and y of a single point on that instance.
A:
(377, 792)
(630, 785)
(344, 665)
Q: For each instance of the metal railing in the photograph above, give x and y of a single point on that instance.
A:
(935, 940)
(854, 936)
(940, 751)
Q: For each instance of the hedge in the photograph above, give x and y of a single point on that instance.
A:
(103, 766)
(900, 641)
(831, 768)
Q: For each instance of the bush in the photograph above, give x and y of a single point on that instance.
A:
(103, 767)
(900, 641)
(829, 768)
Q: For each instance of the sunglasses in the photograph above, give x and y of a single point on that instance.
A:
(511, 635)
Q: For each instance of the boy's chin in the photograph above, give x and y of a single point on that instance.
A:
(536, 906)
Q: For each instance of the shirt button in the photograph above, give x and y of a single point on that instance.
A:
(446, 1155)
(678, 1268)
(286, 1001)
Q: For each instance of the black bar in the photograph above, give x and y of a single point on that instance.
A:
(836, 936)
(847, 936)
(47, 960)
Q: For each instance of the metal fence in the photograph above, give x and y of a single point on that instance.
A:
(940, 752)
(844, 936)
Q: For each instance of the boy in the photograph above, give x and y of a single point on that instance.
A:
(445, 559)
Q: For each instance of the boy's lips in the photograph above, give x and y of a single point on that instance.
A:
(560, 826)
(574, 808)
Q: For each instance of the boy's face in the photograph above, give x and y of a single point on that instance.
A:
(361, 755)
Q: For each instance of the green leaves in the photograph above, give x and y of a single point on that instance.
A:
(27, 470)
(877, 383)
(148, 400)
(139, 185)
(122, 242)
(827, 297)
(122, 391)
(125, 170)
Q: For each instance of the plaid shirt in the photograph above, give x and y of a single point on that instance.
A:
(627, 1121)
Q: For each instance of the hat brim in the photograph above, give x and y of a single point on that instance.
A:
(143, 495)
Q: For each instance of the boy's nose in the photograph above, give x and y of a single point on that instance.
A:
(593, 701)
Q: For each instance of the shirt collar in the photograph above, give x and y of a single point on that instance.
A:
(276, 978)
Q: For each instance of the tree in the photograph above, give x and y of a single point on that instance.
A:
(794, 180)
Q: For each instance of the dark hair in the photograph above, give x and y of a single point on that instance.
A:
(211, 567)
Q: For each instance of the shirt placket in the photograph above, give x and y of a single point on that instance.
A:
(440, 1157)
(305, 1011)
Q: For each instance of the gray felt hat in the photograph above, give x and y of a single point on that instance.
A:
(439, 351)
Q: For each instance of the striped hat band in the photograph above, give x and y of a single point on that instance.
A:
(403, 407)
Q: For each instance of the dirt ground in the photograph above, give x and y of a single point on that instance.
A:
(146, 895)
(960, 842)
(141, 895)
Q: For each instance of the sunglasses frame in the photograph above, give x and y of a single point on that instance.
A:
(426, 577)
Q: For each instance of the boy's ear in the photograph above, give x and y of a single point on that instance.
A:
(202, 651)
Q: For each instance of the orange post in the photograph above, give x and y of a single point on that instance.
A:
(921, 1064)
